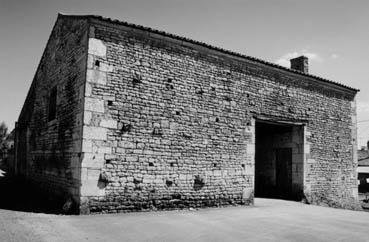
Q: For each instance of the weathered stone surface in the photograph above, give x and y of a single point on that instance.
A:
(109, 123)
(93, 160)
(91, 188)
(50, 154)
(170, 124)
(95, 105)
(182, 114)
(96, 47)
(96, 76)
(95, 133)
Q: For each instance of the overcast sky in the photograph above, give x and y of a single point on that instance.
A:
(334, 34)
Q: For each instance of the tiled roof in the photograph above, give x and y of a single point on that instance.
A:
(115, 21)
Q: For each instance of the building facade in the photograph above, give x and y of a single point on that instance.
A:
(120, 117)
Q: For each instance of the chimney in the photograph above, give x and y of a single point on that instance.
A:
(300, 63)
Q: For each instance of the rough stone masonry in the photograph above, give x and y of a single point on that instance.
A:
(120, 117)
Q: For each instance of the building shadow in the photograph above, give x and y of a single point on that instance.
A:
(19, 195)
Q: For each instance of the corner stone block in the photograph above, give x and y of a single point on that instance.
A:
(84, 205)
(91, 160)
(248, 194)
(249, 170)
(94, 105)
(90, 62)
(250, 149)
(109, 123)
(88, 91)
(93, 174)
(96, 47)
(87, 117)
(306, 148)
(91, 188)
(97, 133)
(86, 145)
(96, 76)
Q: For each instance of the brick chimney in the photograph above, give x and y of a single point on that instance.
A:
(300, 63)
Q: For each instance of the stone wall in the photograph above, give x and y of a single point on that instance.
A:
(170, 124)
(48, 151)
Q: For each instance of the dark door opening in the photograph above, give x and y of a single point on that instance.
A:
(278, 161)
(283, 172)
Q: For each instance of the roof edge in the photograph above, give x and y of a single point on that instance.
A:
(181, 38)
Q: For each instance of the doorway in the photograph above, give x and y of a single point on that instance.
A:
(278, 160)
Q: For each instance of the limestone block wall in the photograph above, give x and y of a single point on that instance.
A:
(49, 150)
(171, 124)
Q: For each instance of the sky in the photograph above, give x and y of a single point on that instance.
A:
(333, 34)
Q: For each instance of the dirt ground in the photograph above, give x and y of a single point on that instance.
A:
(25, 216)
(268, 220)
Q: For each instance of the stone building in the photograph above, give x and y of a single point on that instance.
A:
(120, 117)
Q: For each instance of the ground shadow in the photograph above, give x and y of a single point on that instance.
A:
(19, 195)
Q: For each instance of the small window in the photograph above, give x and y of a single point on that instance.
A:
(52, 103)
